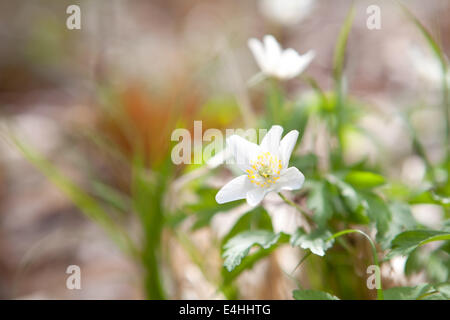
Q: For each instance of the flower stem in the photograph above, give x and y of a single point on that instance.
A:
(446, 105)
(296, 206)
(374, 252)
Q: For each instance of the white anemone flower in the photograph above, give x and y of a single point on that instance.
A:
(428, 68)
(286, 12)
(265, 167)
(276, 62)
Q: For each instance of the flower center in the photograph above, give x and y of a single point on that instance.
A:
(265, 170)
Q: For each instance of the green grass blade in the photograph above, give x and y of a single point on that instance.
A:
(338, 68)
(444, 68)
(87, 204)
(341, 44)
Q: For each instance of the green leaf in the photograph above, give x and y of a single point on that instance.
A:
(206, 207)
(364, 179)
(429, 196)
(444, 289)
(239, 246)
(274, 102)
(431, 42)
(406, 293)
(407, 241)
(339, 51)
(445, 93)
(249, 261)
(113, 197)
(148, 196)
(313, 295)
(356, 205)
(318, 201)
(401, 220)
(295, 117)
(441, 292)
(379, 213)
(316, 241)
(436, 264)
(256, 219)
(305, 163)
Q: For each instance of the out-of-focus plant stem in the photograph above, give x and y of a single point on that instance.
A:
(338, 68)
(152, 251)
(275, 100)
(444, 68)
(380, 295)
(149, 189)
(446, 106)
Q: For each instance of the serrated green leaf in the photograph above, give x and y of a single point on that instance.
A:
(436, 264)
(256, 219)
(379, 213)
(406, 293)
(356, 205)
(239, 246)
(316, 241)
(407, 241)
(364, 179)
(402, 220)
(249, 261)
(313, 295)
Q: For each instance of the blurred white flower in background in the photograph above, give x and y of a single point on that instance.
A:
(265, 166)
(428, 67)
(276, 62)
(286, 12)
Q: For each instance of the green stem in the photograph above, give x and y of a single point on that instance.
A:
(374, 252)
(339, 106)
(446, 105)
(296, 206)
(302, 260)
(427, 294)
(276, 102)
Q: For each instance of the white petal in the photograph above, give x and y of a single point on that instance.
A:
(256, 47)
(271, 140)
(287, 144)
(236, 189)
(256, 195)
(288, 63)
(273, 53)
(220, 158)
(291, 179)
(243, 151)
(301, 63)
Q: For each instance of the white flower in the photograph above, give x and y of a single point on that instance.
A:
(276, 62)
(220, 158)
(265, 167)
(428, 68)
(286, 12)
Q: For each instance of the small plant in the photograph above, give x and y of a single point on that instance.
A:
(353, 217)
